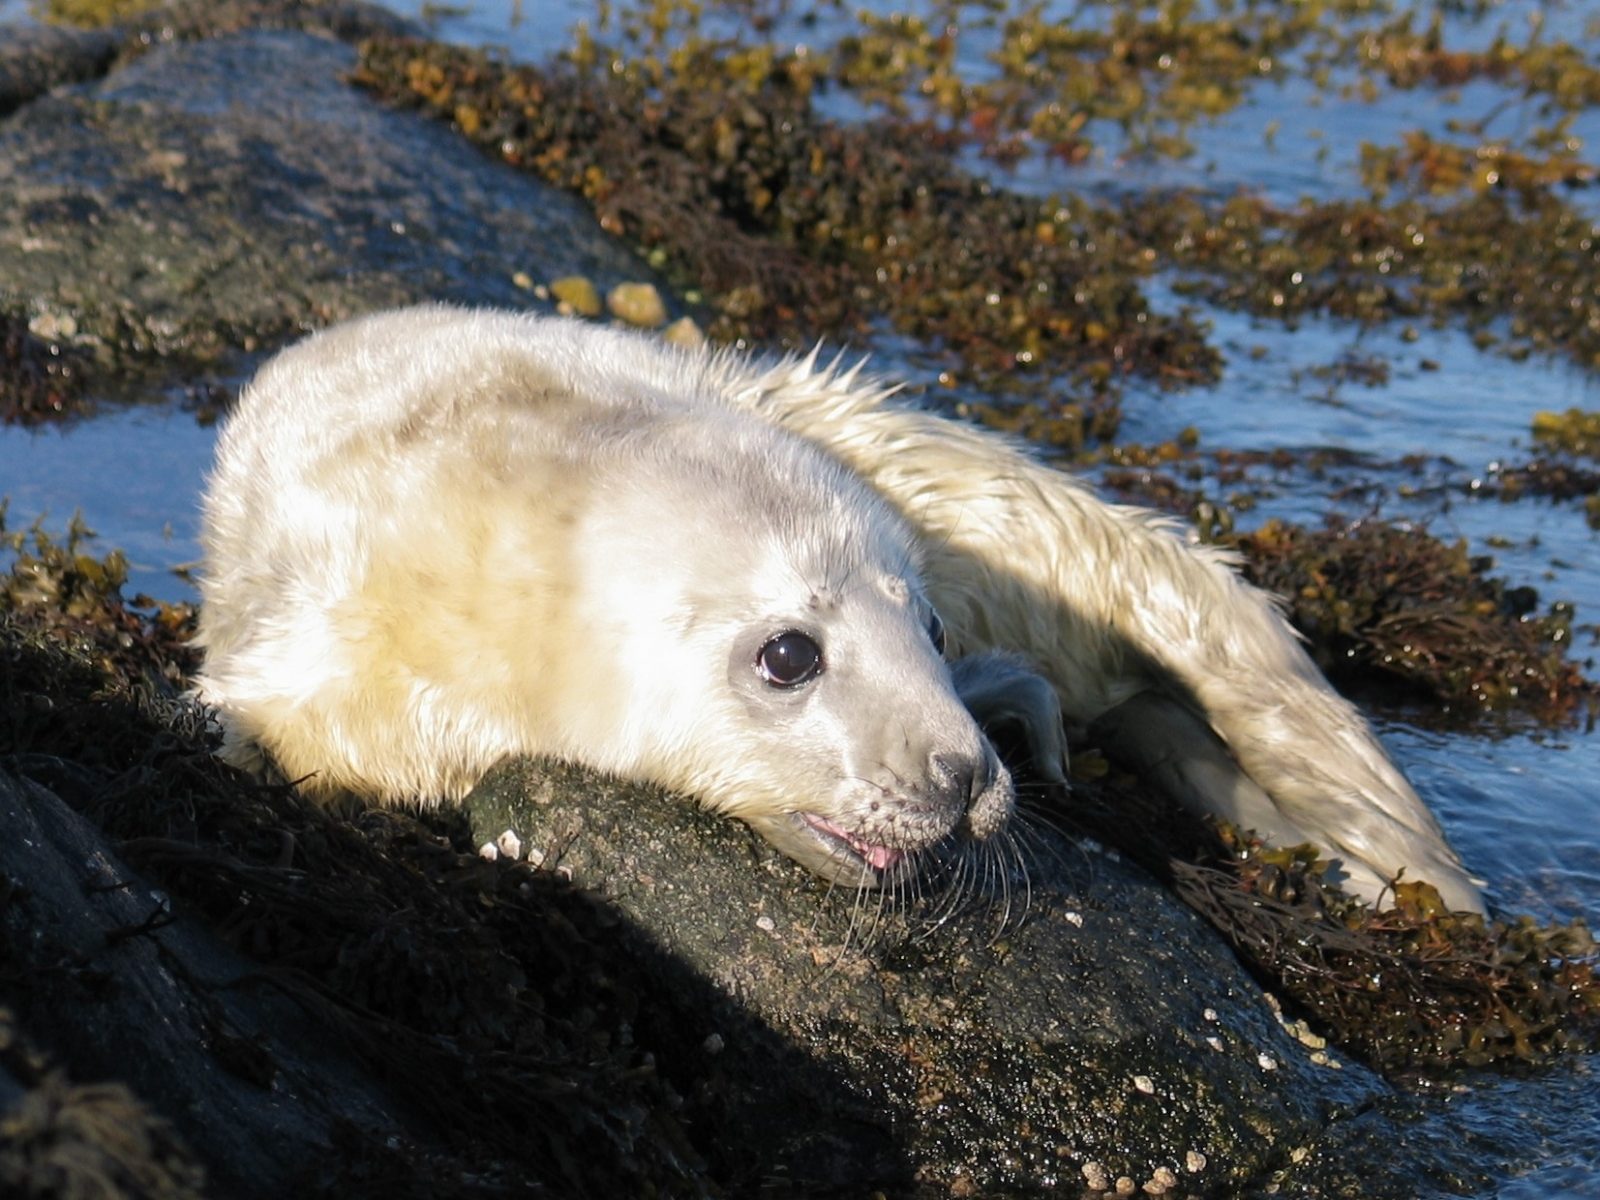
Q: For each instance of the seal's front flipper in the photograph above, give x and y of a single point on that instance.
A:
(1001, 689)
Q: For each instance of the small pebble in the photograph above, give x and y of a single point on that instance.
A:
(684, 332)
(1165, 1176)
(713, 1043)
(53, 328)
(1145, 1084)
(1267, 1062)
(576, 294)
(1214, 1042)
(766, 923)
(509, 844)
(488, 851)
(1074, 918)
(1194, 1162)
(637, 304)
(1096, 1177)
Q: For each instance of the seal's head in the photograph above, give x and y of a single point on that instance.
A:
(785, 664)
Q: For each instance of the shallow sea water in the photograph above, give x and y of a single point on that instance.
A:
(1522, 806)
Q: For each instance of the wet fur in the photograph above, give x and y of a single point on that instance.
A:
(1192, 674)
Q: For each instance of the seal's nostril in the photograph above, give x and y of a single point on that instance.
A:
(983, 778)
(959, 777)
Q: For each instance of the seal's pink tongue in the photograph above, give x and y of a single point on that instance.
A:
(879, 858)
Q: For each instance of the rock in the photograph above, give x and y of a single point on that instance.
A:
(578, 294)
(684, 332)
(156, 1001)
(230, 194)
(1085, 1017)
(36, 58)
(638, 304)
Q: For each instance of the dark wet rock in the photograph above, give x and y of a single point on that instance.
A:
(1103, 1023)
(314, 1006)
(66, 1138)
(39, 380)
(36, 58)
(158, 1003)
(228, 194)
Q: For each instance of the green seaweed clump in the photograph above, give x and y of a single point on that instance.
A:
(1520, 272)
(1576, 431)
(77, 598)
(788, 225)
(38, 381)
(66, 1139)
(92, 14)
(1414, 986)
(1385, 603)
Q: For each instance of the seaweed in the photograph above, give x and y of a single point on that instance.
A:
(1410, 989)
(40, 379)
(768, 213)
(69, 1139)
(1389, 603)
(76, 597)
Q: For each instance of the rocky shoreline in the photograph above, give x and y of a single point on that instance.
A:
(207, 988)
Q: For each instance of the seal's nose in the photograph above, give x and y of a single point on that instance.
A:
(978, 786)
(963, 777)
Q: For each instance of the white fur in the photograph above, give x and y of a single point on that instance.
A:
(1112, 606)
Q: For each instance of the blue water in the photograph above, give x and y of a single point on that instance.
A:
(1523, 807)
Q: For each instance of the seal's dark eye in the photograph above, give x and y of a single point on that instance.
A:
(936, 632)
(789, 659)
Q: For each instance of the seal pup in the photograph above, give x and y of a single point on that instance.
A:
(436, 537)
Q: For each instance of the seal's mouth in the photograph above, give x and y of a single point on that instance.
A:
(853, 847)
(834, 852)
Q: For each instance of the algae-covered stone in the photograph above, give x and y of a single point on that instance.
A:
(684, 332)
(232, 193)
(577, 294)
(1001, 1047)
(638, 304)
(34, 59)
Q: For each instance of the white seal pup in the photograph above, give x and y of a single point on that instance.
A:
(435, 537)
